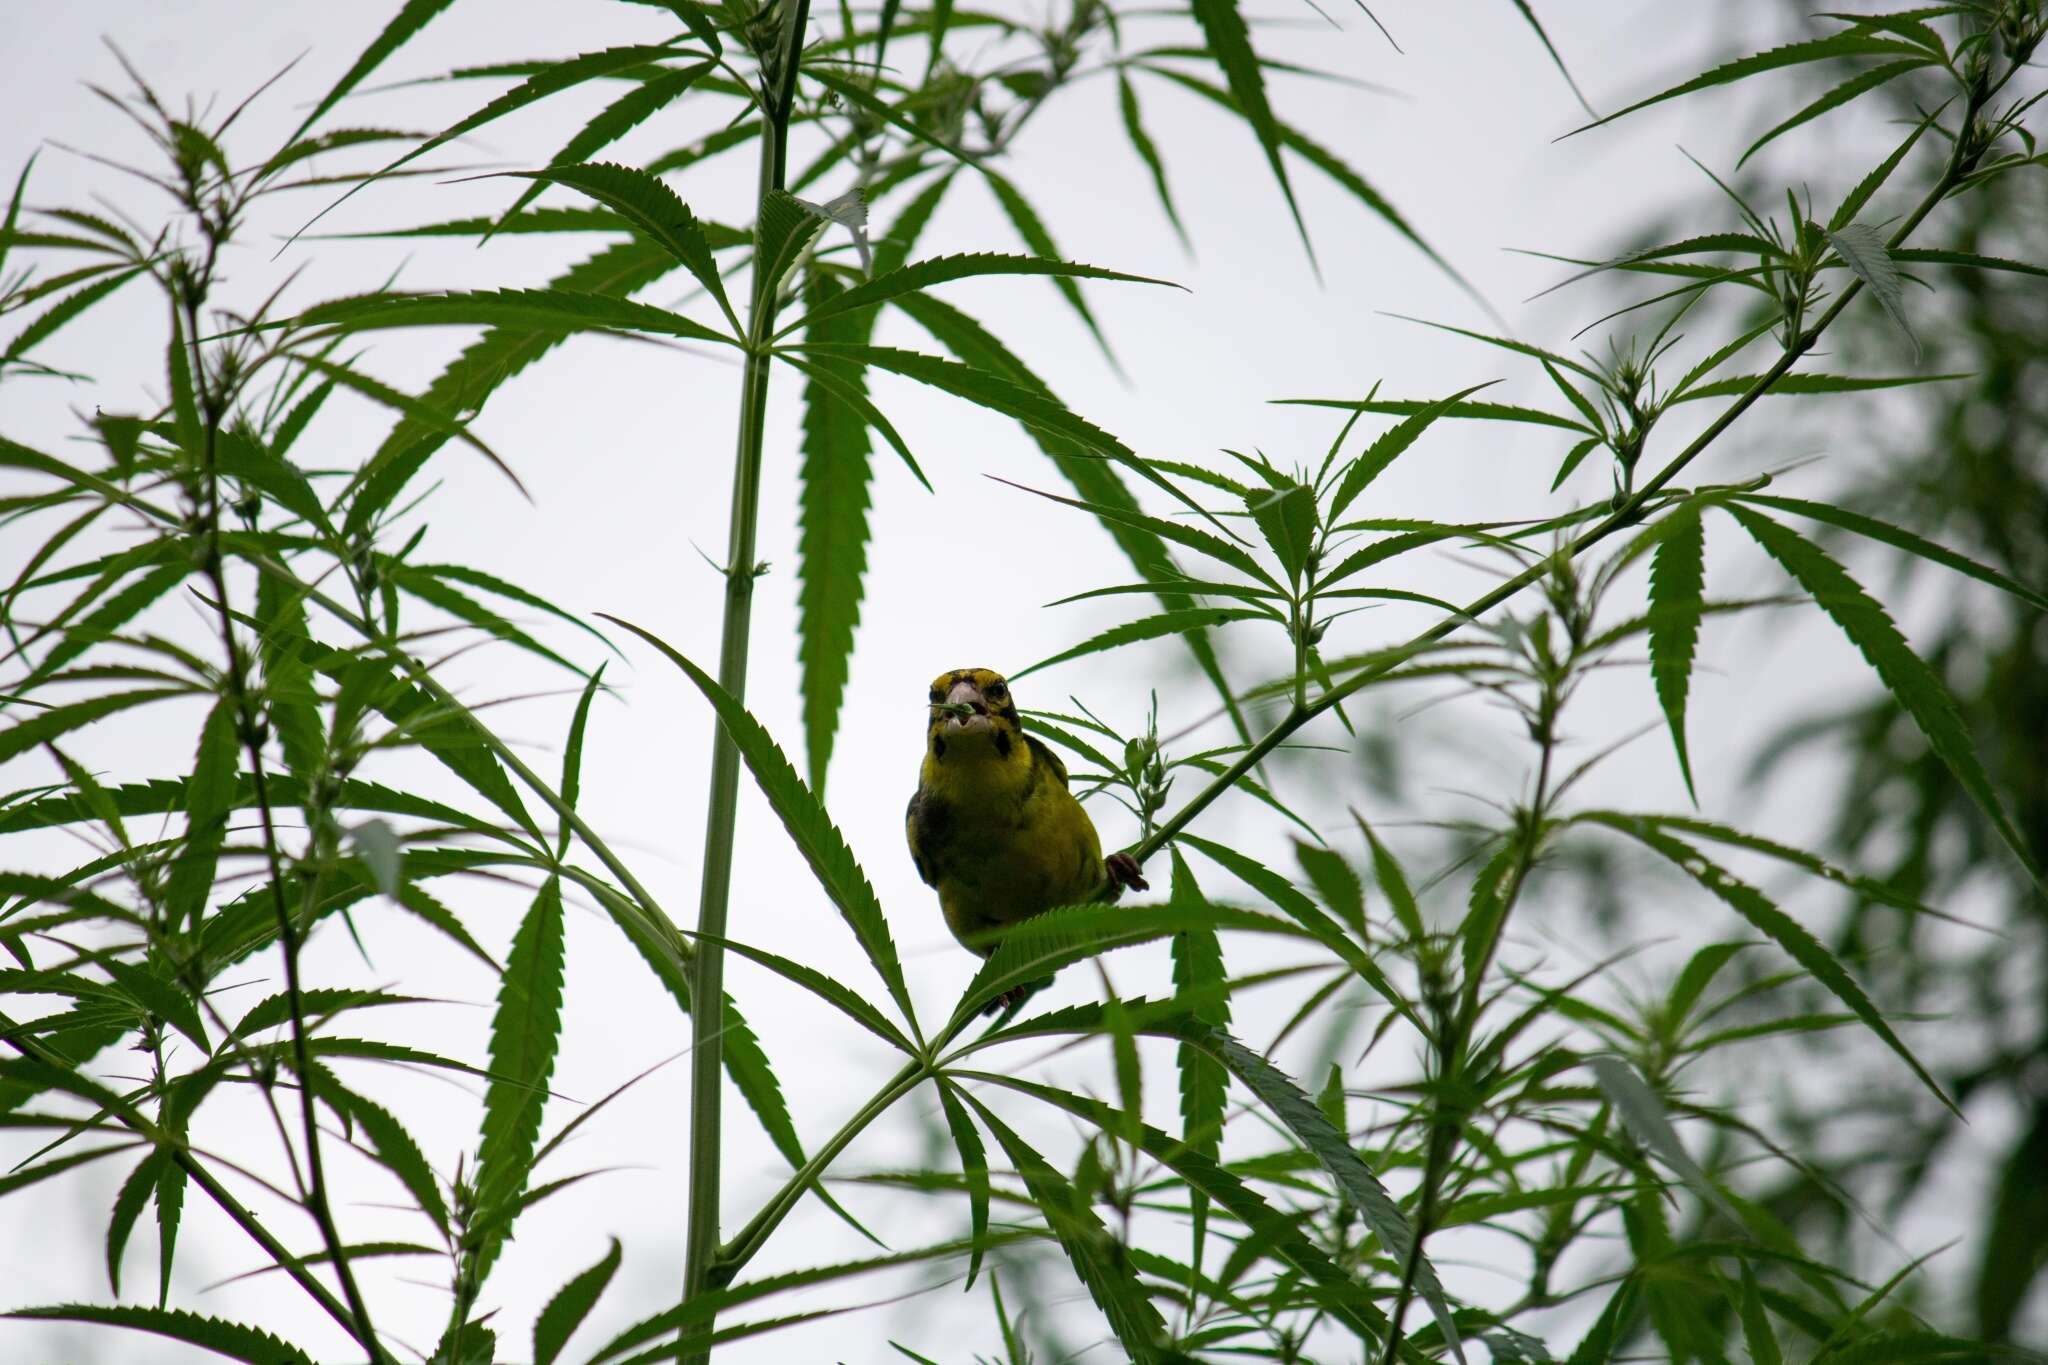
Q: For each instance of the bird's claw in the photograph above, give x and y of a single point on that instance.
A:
(1124, 871)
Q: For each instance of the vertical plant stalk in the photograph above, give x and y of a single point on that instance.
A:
(707, 973)
(248, 722)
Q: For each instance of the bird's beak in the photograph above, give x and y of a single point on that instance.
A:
(967, 694)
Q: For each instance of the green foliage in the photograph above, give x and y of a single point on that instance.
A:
(268, 599)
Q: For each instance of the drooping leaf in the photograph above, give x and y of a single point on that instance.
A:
(1038, 238)
(650, 205)
(1557, 60)
(1774, 923)
(973, 1169)
(1645, 1116)
(1147, 150)
(1862, 248)
(1915, 686)
(1332, 1151)
(1900, 538)
(618, 118)
(1095, 480)
(809, 827)
(1271, 1233)
(1101, 1263)
(209, 795)
(1199, 974)
(397, 1152)
(1229, 41)
(128, 1204)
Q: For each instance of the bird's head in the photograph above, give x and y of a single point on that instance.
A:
(972, 716)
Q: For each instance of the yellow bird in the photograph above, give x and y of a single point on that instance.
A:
(993, 827)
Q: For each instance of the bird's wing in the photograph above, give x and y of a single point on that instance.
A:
(1046, 756)
(911, 822)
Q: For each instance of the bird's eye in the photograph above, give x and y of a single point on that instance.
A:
(937, 696)
(996, 691)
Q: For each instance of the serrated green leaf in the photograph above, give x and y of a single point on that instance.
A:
(1199, 974)
(1407, 407)
(549, 79)
(1833, 47)
(1902, 539)
(1966, 259)
(410, 19)
(1756, 1327)
(1677, 589)
(396, 1150)
(833, 504)
(135, 1192)
(165, 1000)
(1331, 165)
(1394, 883)
(650, 205)
(1336, 882)
(1287, 519)
(66, 310)
(1852, 89)
(570, 1304)
(936, 270)
(1038, 238)
(786, 227)
(1149, 628)
(1305, 912)
(973, 1169)
(1096, 480)
(1794, 384)
(559, 310)
(1879, 174)
(230, 1339)
(525, 1037)
(491, 360)
(1391, 444)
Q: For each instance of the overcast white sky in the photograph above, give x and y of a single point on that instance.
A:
(627, 453)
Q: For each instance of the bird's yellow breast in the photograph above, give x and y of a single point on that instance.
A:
(994, 829)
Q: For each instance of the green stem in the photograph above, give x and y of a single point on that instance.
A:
(754, 1235)
(248, 719)
(707, 968)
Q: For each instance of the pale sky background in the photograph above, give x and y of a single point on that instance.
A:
(626, 450)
